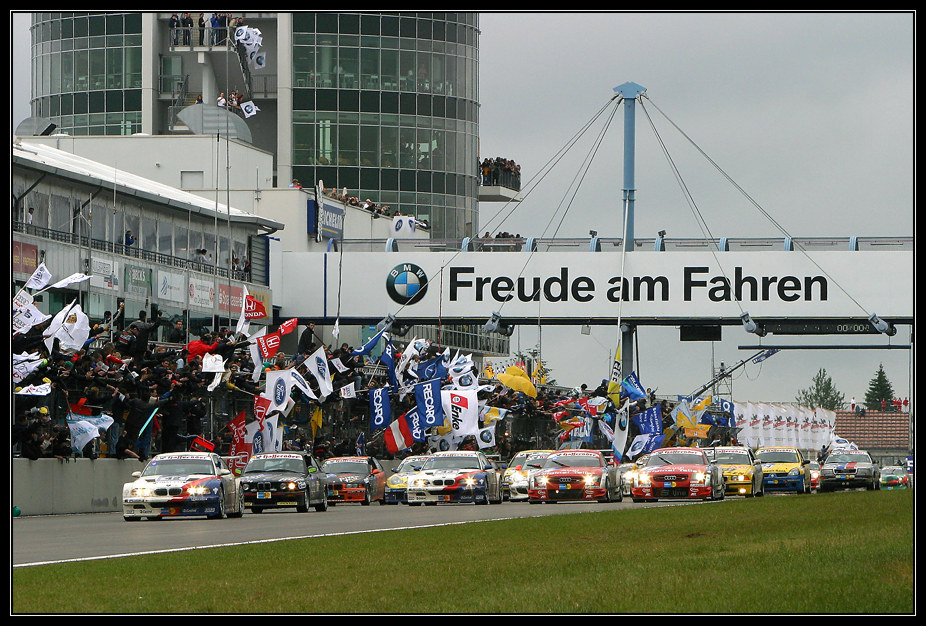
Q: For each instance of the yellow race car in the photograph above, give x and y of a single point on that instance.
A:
(742, 471)
(516, 475)
(784, 468)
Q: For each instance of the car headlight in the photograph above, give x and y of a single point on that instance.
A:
(540, 481)
(591, 479)
(795, 472)
(198, 490)
(699, 477)
(827, 471)
(643, 479)
(141, 491)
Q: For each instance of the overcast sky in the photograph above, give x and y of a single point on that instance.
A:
(811, 114)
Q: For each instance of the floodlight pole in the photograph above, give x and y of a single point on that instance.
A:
(629, 92)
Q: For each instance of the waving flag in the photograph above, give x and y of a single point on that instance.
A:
(40, 277)
(387, 358)
(649, 421)
(428, 400)
(268, 345)
(317, 363)
(398, 436)
(288, 326)
(432, 369)
(632, 386)
(644, 444)
(237, 451)
(279, 386)
(369, 345)
(380, 408)
(73, 278)
(71, 327)
(462, 409)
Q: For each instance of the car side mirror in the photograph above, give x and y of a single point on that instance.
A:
(224, 471)
(312, 469)
(136, 474)
(487, 467)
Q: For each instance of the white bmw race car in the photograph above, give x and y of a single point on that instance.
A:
(457, 476)
(182, 484)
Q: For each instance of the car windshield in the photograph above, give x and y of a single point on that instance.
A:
(518, 459)
(658, 459)
(346, 467)
(179, 467)
(409, 465)
(731, 457)
(571, 460)
(451, 462)
(848, 457)
(535, 460)
(778, 456)
(255, 466)
(894, 470)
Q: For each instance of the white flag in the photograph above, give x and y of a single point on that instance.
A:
(70, 326)
(35, 390)
(317, 363)
(213, 363)
(347, 391)
(249, 109)
(73, 278)
(337, 329)
(26, 317)
(244, 323)
(39, 278)
(255, 354)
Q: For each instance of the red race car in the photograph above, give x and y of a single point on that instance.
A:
(355, 479)
(677, 473)
(575, 475)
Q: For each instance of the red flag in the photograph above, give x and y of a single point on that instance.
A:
(288, 326)
(239, 451)
(253, 308)
(268, 345)
(261, 404)
(398, 436)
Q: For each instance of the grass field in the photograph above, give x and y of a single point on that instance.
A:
(846, 553)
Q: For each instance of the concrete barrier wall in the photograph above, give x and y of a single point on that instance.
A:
(51, 487)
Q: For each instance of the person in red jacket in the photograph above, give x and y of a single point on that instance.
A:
(200, 347)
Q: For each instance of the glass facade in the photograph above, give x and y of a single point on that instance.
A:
(386, 106)
(86, 71)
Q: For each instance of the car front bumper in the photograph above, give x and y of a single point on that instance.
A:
(784, 483)
(136, 506)
(460, 494)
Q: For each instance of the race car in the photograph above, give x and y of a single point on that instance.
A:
(179, 484)
(355, 479)
(814, 468)
(848, 469)
(284, 480)
(517, 478)
(784, 469)
(678, 473)
(628, 471)
(398, 482)
(742, 471)
(575, 475)
(454, 477)
(514, 469)
(894, 477)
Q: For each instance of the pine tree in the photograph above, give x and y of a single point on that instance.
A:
(822, 394)
(879, 389)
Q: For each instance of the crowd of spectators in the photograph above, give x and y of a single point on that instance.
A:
(500, 171)
(123, 373)
(202, 31)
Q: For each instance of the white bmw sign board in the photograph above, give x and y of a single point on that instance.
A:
(578, 287)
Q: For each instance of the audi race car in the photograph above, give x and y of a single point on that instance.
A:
(355, 479)
(575, 475)
(628, 471)
(179, 484)
(397, 484)
(517, 476)
(453, 477)
(784, 469)
(742, 471)
(895, 477)
(284, 480)
(678, 473)
(848, 469)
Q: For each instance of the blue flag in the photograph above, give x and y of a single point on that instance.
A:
(649, 421)
(369, 345)
(414, 425)
(434, 368)
(632, 386)
(428, 400)
(388, 359)
(380, 408)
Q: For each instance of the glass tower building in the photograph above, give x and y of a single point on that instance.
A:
(384, 105)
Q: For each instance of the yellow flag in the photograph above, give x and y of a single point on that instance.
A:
(316, 421)
(614, 383)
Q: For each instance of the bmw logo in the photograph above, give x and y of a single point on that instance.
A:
(406, 283)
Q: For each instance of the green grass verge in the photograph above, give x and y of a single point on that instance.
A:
(846, 553)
